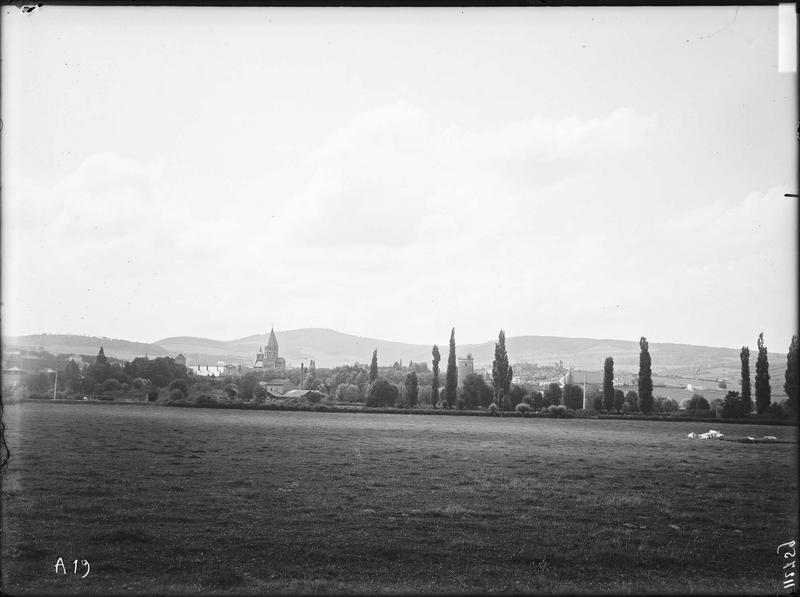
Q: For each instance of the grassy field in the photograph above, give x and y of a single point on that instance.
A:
(163, 500)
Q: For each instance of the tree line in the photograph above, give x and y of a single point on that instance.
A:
(417, 385)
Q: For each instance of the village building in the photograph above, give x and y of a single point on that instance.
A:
(221, 369)
(278, 387)
(466, 367)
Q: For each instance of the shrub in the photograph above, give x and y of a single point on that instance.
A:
(492, 408)
(523, 408)
(140, 383)
(698, 402)
(179, 384)
(700, 413)
(111, 385)
(176, 395)
(557, 409)
(597, 402)
(152, 395)
(205, 400)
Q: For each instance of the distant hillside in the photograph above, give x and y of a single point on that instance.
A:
(84, 345)
(329, 348)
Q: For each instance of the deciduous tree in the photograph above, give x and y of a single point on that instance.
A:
(382, 393)
(476, 392)
(552, 394)
(573, 396)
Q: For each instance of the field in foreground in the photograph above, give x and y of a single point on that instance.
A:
(208, 501)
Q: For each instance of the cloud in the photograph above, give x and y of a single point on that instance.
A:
(392, 177)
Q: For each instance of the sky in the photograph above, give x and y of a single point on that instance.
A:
(394, 173)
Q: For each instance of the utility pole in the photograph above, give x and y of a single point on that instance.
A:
(55, 385)
(584, 391)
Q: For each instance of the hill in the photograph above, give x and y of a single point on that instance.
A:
(329, 348)
(84, 345)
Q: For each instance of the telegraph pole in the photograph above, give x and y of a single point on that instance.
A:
(584, 391)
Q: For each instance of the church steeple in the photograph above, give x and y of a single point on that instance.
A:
(273, 341)
(271, 351)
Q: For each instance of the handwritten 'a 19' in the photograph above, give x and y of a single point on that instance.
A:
(84, 564)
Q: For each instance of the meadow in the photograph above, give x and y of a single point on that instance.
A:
(196, 501)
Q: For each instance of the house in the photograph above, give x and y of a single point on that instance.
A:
(218, 370)
(278, 387)
(303, 394)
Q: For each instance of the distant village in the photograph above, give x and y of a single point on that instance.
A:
(278, 381)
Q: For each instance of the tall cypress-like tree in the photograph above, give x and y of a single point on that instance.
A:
(763, 391)
(792, 375)
(373, 367)
(747, 399)
(412, 391)
(645, 385)
(501, 372)
(451, 376)
(608, 384)
(435, 383)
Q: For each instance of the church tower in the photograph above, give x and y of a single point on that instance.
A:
(271, 353)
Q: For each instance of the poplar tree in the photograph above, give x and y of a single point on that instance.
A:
(645, 385)
(608, 384)
(501, 372)
(451, 375)
(373, 368)
(746, 399)
(792, 375)
(435, 383)
(763, 390)
(412, 391)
